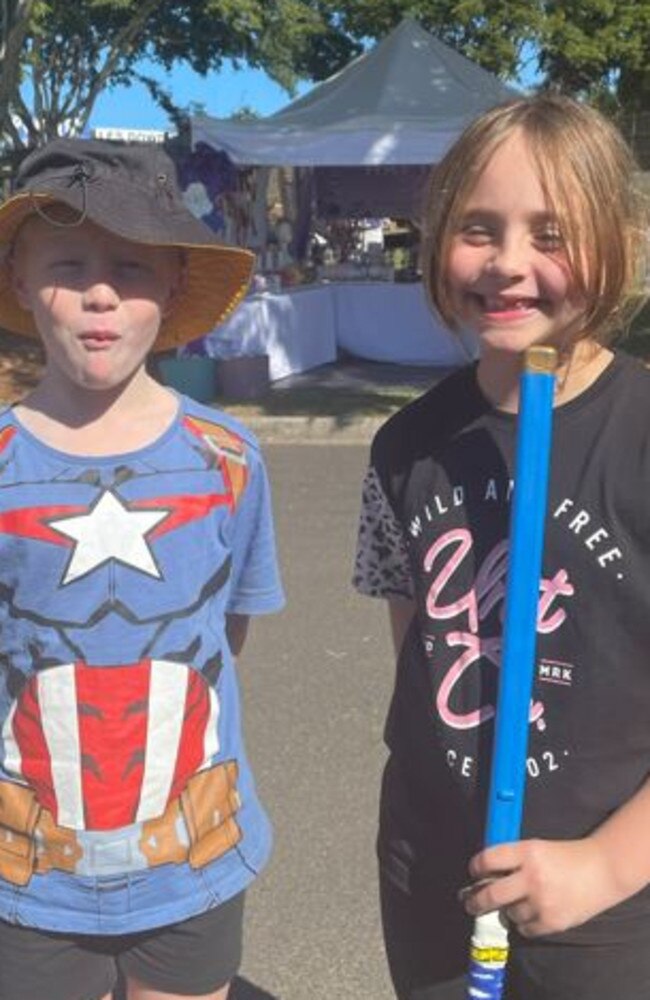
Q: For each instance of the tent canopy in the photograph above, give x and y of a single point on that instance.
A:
(402, 102)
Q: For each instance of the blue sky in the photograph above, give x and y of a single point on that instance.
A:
(222, 93)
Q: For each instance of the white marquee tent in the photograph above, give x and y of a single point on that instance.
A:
(402, 102)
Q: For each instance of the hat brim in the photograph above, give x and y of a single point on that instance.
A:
(216, 278)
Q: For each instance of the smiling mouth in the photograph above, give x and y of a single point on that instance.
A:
(511, 307)
(498, 304)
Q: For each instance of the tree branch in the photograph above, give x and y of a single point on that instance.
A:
(119, 47)
(15, 24)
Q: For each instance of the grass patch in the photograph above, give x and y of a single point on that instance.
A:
(341, 403)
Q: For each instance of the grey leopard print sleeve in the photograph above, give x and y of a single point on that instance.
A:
(382, 567)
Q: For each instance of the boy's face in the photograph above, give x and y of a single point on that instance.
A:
(97, 300)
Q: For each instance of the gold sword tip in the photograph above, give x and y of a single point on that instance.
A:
(540, 358)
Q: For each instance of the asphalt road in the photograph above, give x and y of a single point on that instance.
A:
(316, 682)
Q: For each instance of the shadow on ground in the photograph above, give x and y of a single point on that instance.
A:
(342, 406)
(343, 391)
(243, 990)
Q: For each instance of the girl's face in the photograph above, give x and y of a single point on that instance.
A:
(507, 272)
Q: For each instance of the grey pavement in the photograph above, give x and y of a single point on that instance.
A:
(316, 683)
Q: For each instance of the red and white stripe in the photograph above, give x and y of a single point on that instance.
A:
(105, 747)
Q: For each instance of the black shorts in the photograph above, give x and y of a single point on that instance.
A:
(428, 953)
(196, 956)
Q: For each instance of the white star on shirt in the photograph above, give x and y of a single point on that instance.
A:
(109, 531)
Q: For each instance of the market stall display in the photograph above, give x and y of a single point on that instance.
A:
(348, 159)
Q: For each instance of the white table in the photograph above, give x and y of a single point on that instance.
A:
(305, 327)
(295, 328)
(384, 321)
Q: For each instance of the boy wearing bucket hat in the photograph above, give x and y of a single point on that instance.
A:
(135, 540)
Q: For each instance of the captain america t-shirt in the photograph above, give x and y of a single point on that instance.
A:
(126, 797)
(434, 528)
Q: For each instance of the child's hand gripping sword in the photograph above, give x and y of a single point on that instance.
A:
(489, 950)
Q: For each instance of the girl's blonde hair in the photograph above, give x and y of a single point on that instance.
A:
(587, 173)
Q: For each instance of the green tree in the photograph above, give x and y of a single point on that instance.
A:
(66, 53)
(599, 48)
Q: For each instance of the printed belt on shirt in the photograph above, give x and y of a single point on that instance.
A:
(196, 828)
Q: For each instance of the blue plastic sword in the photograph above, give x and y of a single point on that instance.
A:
(489, 948)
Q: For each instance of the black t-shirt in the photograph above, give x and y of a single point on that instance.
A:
(441, 473)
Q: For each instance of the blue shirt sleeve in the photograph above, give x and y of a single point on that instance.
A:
(256, 584)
